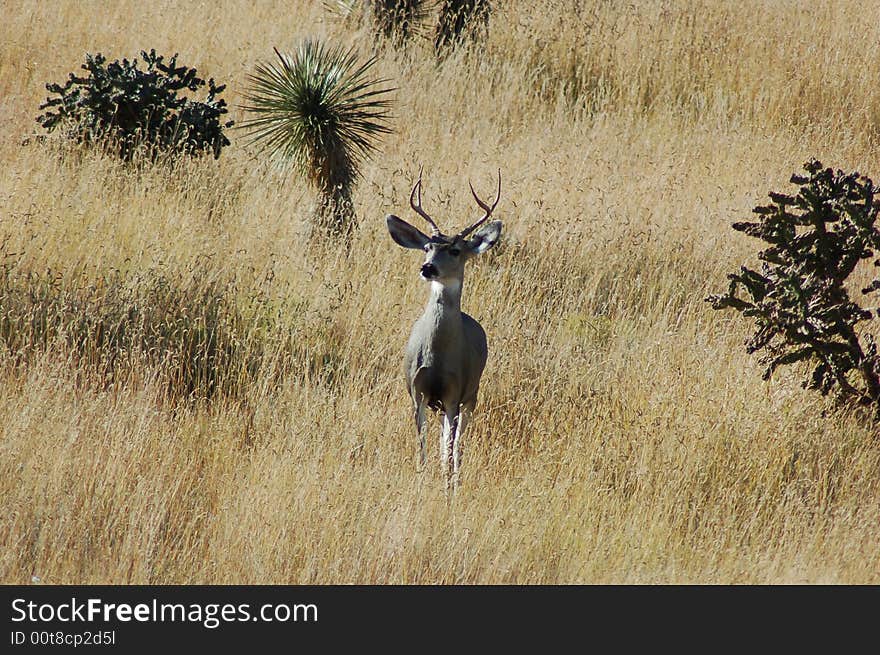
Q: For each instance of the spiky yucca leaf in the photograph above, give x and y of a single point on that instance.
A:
(321, 111)
(342, 8)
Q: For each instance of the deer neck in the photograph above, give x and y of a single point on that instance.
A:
(443, 314)
(445, 298)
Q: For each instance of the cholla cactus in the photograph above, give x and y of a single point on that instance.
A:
(799, 301)
(130, 107)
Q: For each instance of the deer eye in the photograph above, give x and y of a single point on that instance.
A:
(455, 252)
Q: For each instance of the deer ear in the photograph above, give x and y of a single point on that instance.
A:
(405, 234)
(485, 237)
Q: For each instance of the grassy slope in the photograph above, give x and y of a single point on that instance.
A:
(622, 434)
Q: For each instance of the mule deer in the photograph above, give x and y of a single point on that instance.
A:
(447, 351)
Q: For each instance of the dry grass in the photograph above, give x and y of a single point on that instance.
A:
(622, 434)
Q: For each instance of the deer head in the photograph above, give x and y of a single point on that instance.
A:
(445, 255)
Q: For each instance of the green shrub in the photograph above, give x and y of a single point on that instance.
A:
(799, 301)
(129, 107)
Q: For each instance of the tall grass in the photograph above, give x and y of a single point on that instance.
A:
(622, 433)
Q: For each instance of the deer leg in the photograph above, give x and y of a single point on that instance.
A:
(446, 437)
(460, 423)
(420, 430)
(451, 419)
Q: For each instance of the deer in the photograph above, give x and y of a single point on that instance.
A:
(447, 349)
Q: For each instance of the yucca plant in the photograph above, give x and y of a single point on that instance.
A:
(322, 112)
(458, 19)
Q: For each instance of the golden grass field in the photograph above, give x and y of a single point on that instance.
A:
(622, 434)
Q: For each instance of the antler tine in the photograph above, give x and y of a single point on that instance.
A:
(486, 208)
(417, 206)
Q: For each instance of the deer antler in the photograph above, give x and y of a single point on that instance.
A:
(486, 208)
(417, 206)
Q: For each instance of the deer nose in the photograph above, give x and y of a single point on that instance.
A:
(429, 271)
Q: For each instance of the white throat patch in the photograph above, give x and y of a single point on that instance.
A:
(437, 287)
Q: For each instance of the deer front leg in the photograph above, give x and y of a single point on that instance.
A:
(420, 431)
(460, 424)
(446, 439)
